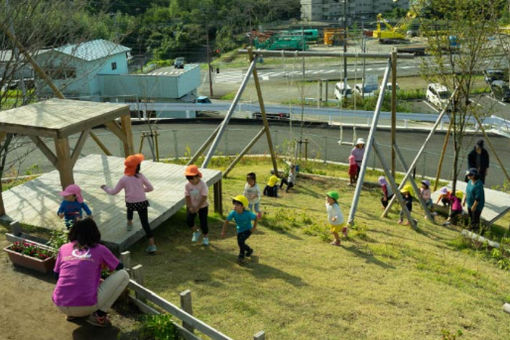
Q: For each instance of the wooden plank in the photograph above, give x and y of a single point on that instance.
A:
(186, 306)
(116, 130)
(177, 312)
(79, 146)
(45, 150)
(260, 336)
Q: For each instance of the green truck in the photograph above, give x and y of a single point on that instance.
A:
(281, 42)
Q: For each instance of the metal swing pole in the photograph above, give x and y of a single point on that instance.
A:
(415, 160)
(373, 127)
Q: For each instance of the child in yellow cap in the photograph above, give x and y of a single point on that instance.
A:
(408, 199)
(335, 216)
(243, 217)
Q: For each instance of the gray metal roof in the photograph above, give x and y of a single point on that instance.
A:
(92, 50)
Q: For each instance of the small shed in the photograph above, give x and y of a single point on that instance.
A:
(60, 118)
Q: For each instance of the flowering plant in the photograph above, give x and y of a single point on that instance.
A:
(31, 249)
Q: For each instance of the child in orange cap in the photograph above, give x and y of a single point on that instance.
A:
(196, 192)
(135, 186)
(71, 207)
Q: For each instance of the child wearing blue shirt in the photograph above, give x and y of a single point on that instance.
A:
(71, 207)
(243, 217)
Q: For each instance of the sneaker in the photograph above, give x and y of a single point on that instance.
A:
(129, 227)
(98, 321)
(205, 241)
(240, 258)
(344, 231)
(71, 318)
(195, 237)
(249, 252)
(151, 249)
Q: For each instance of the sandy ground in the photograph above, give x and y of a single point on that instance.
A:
(28, 313)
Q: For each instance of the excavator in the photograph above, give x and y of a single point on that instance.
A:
(395, 33)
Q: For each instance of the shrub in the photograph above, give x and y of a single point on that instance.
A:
(159, 327)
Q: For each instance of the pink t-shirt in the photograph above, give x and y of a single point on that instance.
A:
(79, 273)
(456, 206)
(135, 188)
(195, 193)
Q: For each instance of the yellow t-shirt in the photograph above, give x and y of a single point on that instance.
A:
(272, 181)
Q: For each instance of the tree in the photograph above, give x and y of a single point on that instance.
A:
(458, 33)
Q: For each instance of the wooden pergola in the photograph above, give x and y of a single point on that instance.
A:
(60, 118)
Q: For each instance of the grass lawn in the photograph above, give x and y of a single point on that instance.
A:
(386, 281)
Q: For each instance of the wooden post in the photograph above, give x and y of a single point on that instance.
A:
(187, 307)
(126, 128)
(443, 151)
(218, 198)
(100, 144)
(260, 336)
(326, 91)
(263, 113)
(204, 145)
(138, 277)
(306, 149)
(393, 107)
(64, 164)
(125, 258)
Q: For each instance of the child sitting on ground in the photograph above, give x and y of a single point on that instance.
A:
(71, 207)
(243, 217)
(386, 189)
(444, 197)
(271, 188)
(353, 170)
(406, 193)
(290, 180)
(252, 193)
(335, 217)
(456, 209)
(425, 194)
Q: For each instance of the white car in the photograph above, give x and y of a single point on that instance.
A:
(438, 95)
(339, 90)
(369, 89)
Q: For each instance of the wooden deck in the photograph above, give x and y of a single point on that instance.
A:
(36, 202)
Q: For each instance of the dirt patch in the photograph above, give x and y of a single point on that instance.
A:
(29, 313)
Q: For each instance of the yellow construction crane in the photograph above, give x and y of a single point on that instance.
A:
(397, 32)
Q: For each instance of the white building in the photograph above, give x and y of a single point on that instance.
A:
(333, 10)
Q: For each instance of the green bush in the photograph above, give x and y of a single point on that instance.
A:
(159, 327)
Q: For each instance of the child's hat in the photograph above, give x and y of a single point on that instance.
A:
(360, 141)
(73, 189)
(443, 190)
(192, 170)
(333, 194)
(426, 182)
(459, 194)
(241, 199)
(131, 163)
(407, 188)
(382, 180)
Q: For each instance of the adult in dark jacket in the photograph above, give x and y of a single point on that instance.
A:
(478, 158)
(475, 198)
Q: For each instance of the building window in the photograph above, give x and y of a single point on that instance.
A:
(114, 66)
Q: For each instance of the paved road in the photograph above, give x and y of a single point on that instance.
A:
(179, 139)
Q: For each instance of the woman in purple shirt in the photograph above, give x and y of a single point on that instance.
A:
(358, 152)
(79, 291)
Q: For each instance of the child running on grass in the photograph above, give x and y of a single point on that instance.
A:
(196, 192)
(386, 189)
(252, 193)
(335, 217)
(71, 207)
(406, 193)
(135, 186)
(243, 217)
(353, 170)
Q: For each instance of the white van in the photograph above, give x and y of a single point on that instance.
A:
(339, 90)
(438, 95)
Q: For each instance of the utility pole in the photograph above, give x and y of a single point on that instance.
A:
(345, 51)
(209, 64)
(363, 49)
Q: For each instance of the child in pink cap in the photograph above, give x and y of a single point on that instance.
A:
(71, 207)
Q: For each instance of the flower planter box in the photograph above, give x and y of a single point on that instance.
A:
(22, 260)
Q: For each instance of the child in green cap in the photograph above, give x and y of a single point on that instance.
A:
(335, 217)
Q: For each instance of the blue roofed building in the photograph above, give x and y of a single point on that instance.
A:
(98, 70)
